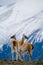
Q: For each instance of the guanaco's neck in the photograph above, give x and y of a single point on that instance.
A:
(22, 41)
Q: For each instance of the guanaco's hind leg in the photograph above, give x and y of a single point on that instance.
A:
(30, 54)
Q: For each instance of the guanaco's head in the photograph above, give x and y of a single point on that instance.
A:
(24, 36)
(14, 40)
(13, 37)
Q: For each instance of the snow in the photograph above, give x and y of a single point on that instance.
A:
(21, 17)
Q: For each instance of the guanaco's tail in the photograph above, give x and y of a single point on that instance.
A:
(32, 46)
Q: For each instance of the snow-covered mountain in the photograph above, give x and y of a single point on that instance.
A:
(17, 19)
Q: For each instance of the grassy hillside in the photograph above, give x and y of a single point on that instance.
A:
(7, 62)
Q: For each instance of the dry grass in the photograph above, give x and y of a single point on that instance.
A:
(7, 62)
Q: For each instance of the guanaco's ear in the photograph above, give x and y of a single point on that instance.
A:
(14, 36)
(25, 36)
